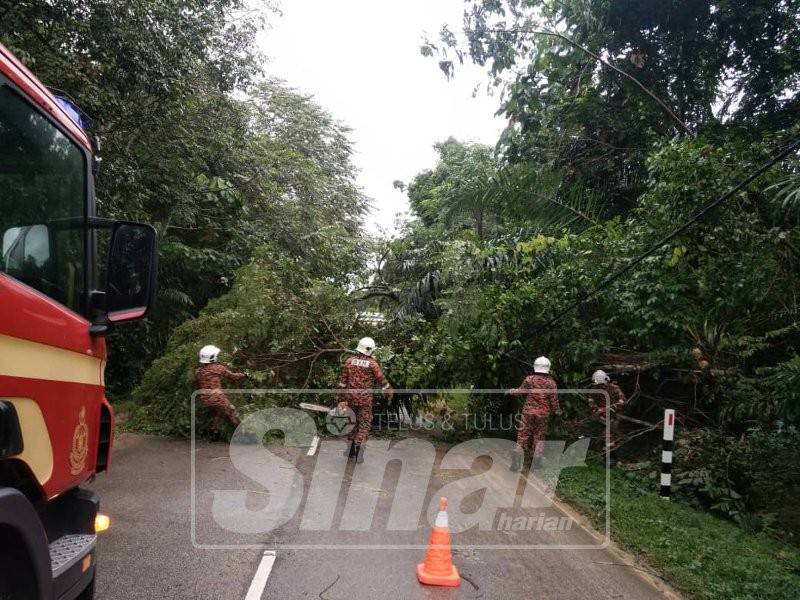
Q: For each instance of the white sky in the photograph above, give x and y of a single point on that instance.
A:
(360, 59)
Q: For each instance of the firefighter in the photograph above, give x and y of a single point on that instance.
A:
(616, 402)
(616, 398)
(541, 399)
(359, 375)
(209, 376)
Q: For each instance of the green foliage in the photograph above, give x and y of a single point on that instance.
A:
(701, 555)
(716, 310)
(788, 194)
(522, 195)
(711, 65)
(720, 287)
(437, 196)
(194, 140)
(740, 476)
(770, 393)
(280, 322)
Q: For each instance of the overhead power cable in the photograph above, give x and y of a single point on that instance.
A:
(609, 279)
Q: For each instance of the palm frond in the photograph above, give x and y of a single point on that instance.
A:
(176, 297)
(787, 194)
(421, 298)
(519, 192)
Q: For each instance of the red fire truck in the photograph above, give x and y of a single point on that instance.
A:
(57, 302)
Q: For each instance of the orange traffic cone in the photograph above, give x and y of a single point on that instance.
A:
(438, 567)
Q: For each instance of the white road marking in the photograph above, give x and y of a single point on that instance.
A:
(314, 443)
(262, 574)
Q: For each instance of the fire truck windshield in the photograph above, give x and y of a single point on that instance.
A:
(43, 191)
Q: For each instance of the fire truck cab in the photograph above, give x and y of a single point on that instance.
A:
(57, 302)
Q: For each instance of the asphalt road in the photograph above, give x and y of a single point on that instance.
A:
(165, 542)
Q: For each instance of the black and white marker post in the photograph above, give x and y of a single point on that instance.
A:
(666, 453)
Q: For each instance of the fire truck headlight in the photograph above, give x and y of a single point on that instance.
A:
(101, 523)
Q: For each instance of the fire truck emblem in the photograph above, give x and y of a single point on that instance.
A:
(80, 445)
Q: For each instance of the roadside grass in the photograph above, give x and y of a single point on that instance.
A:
(699, 554)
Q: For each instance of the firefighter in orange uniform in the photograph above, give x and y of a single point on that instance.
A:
(616, 403)
(209, 376)
(541, 399)
(359, 375)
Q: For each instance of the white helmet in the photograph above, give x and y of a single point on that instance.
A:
(600, 377)
(541, 365)
(366, 346)
(209, 354)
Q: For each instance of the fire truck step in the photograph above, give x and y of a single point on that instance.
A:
(68, 550)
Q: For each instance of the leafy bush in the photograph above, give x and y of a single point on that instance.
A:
(743, 477)
(772, 393)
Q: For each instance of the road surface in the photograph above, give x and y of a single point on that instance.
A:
(152, 552)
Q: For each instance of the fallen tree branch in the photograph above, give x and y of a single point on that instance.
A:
(626, 439)
(637, 421)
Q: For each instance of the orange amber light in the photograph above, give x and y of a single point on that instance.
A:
(101, 523)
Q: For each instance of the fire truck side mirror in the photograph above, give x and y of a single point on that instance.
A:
(130, 276)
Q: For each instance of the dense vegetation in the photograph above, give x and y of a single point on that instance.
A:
(196, 140)
(625, 117)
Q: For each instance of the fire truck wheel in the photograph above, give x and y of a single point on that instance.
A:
(17, 579)
(88, 593)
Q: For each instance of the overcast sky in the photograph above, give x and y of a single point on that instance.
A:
(360, 59)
